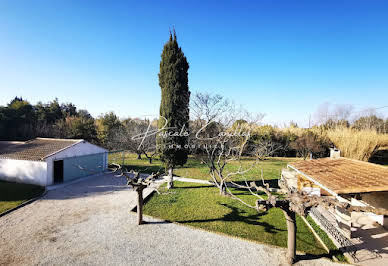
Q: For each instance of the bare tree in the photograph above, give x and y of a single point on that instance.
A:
(131, 137)
(342, 112)
(217, 154)
(307, 144)
(333, 115)
(139, 183)
(293, 202)
(264, 148)
(224, 141)
(205, 107)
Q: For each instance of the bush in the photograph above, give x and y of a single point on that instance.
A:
(357, 144)
(308, 143)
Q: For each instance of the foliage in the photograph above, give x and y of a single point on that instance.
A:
(280, 139)
(309, 143)
(130, 136)
(357, 144)
(76, 128)
(17, 120)
(371, 122)
(20, 120)
(174, 106)
(106, 126)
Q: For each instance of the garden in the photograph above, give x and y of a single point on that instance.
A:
(201, 206)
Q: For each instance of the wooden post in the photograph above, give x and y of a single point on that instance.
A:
(139, 205)
(291, 228)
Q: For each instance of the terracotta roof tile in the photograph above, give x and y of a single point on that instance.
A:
(343, 175)
(36, 149)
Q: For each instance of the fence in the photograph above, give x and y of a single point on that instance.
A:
(117, 157)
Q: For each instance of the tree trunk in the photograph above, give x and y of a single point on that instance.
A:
(222, 188)
(139, 205)
(150, 159)
(170, 180)
(291, 228)
(139, 156)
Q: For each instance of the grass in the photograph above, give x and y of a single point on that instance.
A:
(194, 169)
(202, 207)
(14, 194)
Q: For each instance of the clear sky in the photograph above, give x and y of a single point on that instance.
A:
(281, 58)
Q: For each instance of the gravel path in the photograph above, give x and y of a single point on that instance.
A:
(90, 223)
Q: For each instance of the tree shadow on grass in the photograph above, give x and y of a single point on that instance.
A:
(237, 215)
(148, 169)
(273, 183)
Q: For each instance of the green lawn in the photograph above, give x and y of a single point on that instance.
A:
(201, 206)
(14, 194)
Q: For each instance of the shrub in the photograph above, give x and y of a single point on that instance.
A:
(357, 144)
(310, 143)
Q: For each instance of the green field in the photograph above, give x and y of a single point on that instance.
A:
(14, 194)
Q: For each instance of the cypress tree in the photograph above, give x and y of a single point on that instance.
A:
(174, 107)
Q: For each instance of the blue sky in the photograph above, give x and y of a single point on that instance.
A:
(281, 58)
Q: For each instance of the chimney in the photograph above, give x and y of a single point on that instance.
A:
(335, 153)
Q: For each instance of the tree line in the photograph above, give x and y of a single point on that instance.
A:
(21, 120)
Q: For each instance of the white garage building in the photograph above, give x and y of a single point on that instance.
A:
(46, 161)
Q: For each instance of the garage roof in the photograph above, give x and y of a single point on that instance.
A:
(36, 149)
(343, 175)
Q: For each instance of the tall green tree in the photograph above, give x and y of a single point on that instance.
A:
(174, 107)
(106, 125)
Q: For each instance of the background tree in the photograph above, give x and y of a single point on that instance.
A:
(370, 122)
(17, 120)
(174, 106)
(223, 139)
(206, 107)
(106, 125)
(308, 143)
(130, 137)
(74, 127)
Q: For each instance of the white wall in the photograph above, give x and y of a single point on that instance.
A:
(79, 149)
(21, 171)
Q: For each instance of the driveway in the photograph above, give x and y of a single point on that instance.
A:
(90, 223)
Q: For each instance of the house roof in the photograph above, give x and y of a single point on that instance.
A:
(343, 175)
(34, 150)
